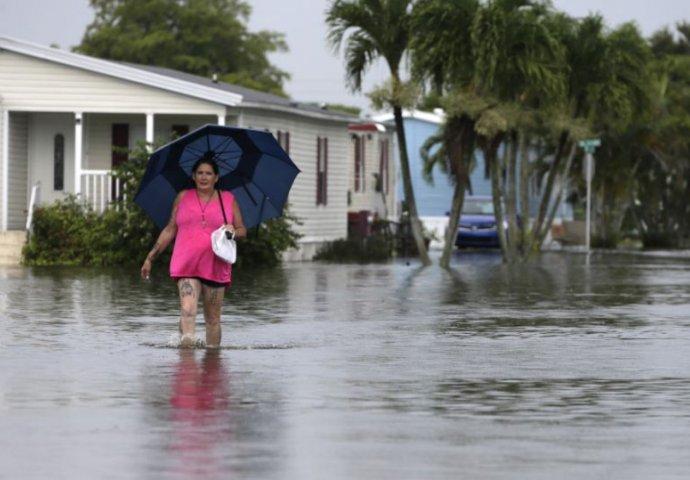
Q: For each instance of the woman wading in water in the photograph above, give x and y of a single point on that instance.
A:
(199, 273)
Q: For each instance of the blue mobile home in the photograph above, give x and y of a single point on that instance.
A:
(434, 199)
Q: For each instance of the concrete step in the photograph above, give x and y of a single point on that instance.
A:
(10, 260)
(11, 244)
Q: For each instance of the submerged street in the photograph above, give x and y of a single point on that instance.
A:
(550, 370)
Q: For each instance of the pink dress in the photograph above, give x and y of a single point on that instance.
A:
(192, 254)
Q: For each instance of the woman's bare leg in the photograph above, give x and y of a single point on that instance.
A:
(189, 288)
(213, 302)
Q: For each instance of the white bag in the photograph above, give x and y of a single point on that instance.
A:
(224, 245)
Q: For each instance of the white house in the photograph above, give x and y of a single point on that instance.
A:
(61, 114)
(373, 172)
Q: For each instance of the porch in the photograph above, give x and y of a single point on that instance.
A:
(47, 156)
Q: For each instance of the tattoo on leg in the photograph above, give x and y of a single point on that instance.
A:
(186, 289)
(213, 295)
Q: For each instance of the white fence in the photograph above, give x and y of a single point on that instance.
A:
(99, 188)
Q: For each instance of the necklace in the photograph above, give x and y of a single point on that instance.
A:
(203, 208)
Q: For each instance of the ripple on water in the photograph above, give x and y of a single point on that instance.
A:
(175, 342)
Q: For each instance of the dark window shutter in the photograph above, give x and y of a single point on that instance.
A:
(318, 170)
(357, 163)
(59, 162)
(287, 143)
(325, 172)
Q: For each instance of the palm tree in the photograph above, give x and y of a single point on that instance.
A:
(608, 89)
(519, 61)
(441, 56)
(373, 29)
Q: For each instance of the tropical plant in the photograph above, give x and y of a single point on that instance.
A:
(373, 29)
(442, 56)
(660, 209)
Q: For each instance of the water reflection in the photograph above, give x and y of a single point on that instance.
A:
(353, 371)
(199, 401)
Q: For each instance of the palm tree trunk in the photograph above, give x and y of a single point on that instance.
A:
(548, 189)
(453, 221)
(540, 235)
(407, 188)
(524, 196)
(491, 157)
(511, 196)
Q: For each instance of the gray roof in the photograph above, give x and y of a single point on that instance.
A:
(248, 95)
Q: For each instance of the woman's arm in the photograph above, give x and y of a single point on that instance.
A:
(166, 236)
(237, 223)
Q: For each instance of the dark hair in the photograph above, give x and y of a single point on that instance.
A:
(208, 161)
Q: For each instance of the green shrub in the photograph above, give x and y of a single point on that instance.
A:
(376, 248)
(660, 240)
(264, 246)
(69, 232)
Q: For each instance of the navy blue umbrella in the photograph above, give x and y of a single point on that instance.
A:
(252, 166)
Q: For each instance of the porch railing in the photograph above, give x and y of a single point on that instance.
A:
(35, 198)
(99, 188)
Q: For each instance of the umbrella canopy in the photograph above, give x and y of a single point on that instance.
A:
(252, 166)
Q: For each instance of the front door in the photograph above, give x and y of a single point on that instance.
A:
(120, 143)
(120, 152)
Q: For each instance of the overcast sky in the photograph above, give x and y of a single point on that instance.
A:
(317, 74)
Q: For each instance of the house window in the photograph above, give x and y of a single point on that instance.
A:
(383, 167)
(360, 173)
(178, 131)
(322, 171)
(59, 162)
(284, 140)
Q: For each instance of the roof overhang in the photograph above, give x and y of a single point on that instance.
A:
(117, 70)
(437, 117)
(301, 112)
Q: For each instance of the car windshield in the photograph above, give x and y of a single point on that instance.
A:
(476, 206)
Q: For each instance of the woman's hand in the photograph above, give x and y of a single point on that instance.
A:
(230, 228)
(146, 269)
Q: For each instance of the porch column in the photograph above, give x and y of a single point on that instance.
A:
(77, 152)
(221, 119)
(149, 131)
(5, 157)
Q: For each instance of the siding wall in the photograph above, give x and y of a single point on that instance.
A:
(2, 153)
(43, 127)
(369, 198)
(31, 83)
(322, 222)
(18, 171)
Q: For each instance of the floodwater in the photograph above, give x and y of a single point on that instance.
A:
(551, 370)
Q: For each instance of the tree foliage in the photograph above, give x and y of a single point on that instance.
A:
(525, 82)
(201, 37)
(379, 29)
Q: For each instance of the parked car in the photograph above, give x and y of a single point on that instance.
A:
(477, 226)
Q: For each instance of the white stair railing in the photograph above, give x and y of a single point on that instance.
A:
(35, 198)
(99, 188)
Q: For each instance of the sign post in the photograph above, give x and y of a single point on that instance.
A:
(589, 146)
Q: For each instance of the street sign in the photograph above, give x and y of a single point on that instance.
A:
(590, 145)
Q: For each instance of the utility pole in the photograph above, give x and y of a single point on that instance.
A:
(589, 146)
